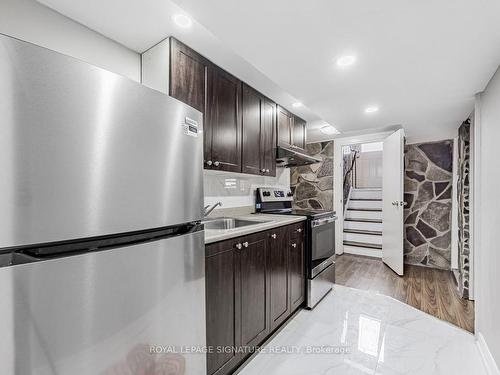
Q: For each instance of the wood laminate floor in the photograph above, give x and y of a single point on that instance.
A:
(430, 290)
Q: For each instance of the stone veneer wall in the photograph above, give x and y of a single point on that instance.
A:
(463, 189)
(312, 185)
(428, 195)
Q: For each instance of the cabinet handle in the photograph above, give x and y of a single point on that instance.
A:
(209, 162)
(238, 246)
(263, 170)
(294, 245)
(267, 170)
(245, 244)
(216, 163)
(273, 235)
(299, 230)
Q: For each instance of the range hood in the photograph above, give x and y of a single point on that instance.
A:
(288, 156)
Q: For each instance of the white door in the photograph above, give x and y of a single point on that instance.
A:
(392, 193)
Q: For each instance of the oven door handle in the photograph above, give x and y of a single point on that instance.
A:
(318, 222)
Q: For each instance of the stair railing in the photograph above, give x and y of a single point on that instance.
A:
(348, 176)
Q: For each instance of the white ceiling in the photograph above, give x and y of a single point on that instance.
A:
(420, 61)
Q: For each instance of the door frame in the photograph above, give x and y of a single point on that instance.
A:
(338, 183)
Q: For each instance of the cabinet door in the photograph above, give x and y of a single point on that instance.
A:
(222, 306)
(268, 136)
(279, 301)
(285, 122)
(189, 72)
(224, 120)
(251, 143)
(299, 133)
(253, 289)
(188, 75)
(296, 266)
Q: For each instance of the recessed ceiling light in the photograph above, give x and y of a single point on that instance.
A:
(297, 105)
(371, 109)
(347, 60)
(182, 20)
(328, 129)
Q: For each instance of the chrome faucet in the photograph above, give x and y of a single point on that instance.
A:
(208, 210)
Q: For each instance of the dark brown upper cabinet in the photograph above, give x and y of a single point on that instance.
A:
(196, 81)
(291, 130)
(222, 132)
(241, 127)
(188, 75)
(259, 124)
(299, 133)
(285, 123)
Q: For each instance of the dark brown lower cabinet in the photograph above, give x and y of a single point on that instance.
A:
(296, 267)
(254, 290)
(222, 306)
(253, 284)
(279, 303)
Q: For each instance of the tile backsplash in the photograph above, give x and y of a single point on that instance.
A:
(237, 189)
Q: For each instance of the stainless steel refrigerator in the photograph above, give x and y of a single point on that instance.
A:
(101, 247)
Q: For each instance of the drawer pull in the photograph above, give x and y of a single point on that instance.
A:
(299, 230)
(245, 244)
(294, 245)
(238, 246)
(273, 235)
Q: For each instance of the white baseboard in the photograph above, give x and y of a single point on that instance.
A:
(488, 360)
(367, 252)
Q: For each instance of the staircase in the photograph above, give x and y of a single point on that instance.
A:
(363, 223)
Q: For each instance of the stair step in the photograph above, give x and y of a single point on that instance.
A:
(366, 194)
(363, 225)
(365, 204)
(371, 239)
(365, 209)
(378, 221)
(364, 251)
(358, 214)
(362, 244)
(362, 231)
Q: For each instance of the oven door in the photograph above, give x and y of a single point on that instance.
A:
(322, 240)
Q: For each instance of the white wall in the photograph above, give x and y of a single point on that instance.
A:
(369, 167)
(30, 21)
(487, 217)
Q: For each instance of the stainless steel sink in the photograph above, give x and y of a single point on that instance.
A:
(230, 223)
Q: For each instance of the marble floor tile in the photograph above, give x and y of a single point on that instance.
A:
(361, 332)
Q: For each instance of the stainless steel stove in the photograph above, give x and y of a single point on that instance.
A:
(320, 239)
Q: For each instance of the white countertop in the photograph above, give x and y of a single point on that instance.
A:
(262, 222)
